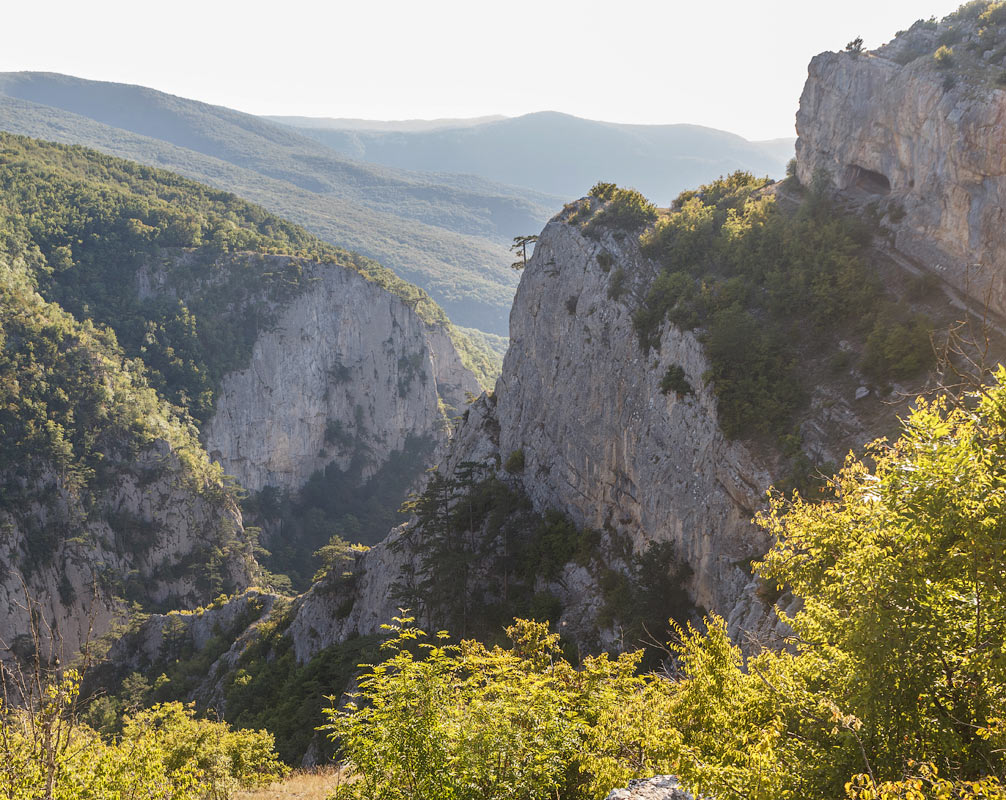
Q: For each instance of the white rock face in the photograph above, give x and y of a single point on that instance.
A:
(150, 536)
(662, 787)
(903, 135)
(347, 366)
(601, 442)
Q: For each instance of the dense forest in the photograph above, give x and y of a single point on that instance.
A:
(88, 224)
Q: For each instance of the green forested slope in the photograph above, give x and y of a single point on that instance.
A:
(86, 224)
(68, 395)
(446, 233)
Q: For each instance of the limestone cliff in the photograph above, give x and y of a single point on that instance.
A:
(154, 534)
(347, 366)
(601, 443)
(922, 138)
(598, 439)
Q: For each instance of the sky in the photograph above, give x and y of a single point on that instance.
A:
(738, 65)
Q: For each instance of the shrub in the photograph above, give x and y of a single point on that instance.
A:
(618, 284)
(944, 57)
(674, 380)
(164, 751)
(995, 14)
(515, 462)
(895, 212)
(971, 10)
(472, 723)
(749, 275)
(603, 191)
(624, 210)
(898, 348)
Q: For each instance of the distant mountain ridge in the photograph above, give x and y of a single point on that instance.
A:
(443, 223)
(353, 124)
(446, 233)
(555, 153)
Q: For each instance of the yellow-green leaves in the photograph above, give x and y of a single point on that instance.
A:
(475, 723)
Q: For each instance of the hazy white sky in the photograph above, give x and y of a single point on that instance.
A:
(732, 64)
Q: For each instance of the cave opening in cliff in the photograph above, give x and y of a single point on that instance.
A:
(867, 180)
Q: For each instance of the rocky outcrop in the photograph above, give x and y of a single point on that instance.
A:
(221, 632)
(601, 443)
(923, 142)
(156, 535)
(663, 787)
(347, 368)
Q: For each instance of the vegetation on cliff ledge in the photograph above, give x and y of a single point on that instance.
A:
(893, 684)
(760, 281)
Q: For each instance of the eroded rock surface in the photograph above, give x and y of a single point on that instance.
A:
(348, 367)
(157, 535)
(923, 142)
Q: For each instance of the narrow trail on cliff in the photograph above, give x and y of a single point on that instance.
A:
(882, 249)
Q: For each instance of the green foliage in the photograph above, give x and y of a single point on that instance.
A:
(519, 248)
(624, 210)
(944, 57)
(898, 349)
(335, 557)
(88, 226)
(855, 46)
(163, 753)
(676, 381)
(897, 659)
(271, 690)
(646, 600)
(444, 231)
(603, 191)
(219, 759)
(437, 720)
(754, 278)
(473, 520)
(791, 166)
(335, 502)
(994, 14)
(485, 556)
(925, 785)
(618, 284)
(971, 10)
(893, 686)
(515, 462)
(74, 411)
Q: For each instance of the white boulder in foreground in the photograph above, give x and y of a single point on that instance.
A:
(662, 787)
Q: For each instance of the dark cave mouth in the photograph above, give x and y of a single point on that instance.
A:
(867, 180)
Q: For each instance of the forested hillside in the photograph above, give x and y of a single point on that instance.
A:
(446, 233)
(107, 496)
(155, 289)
